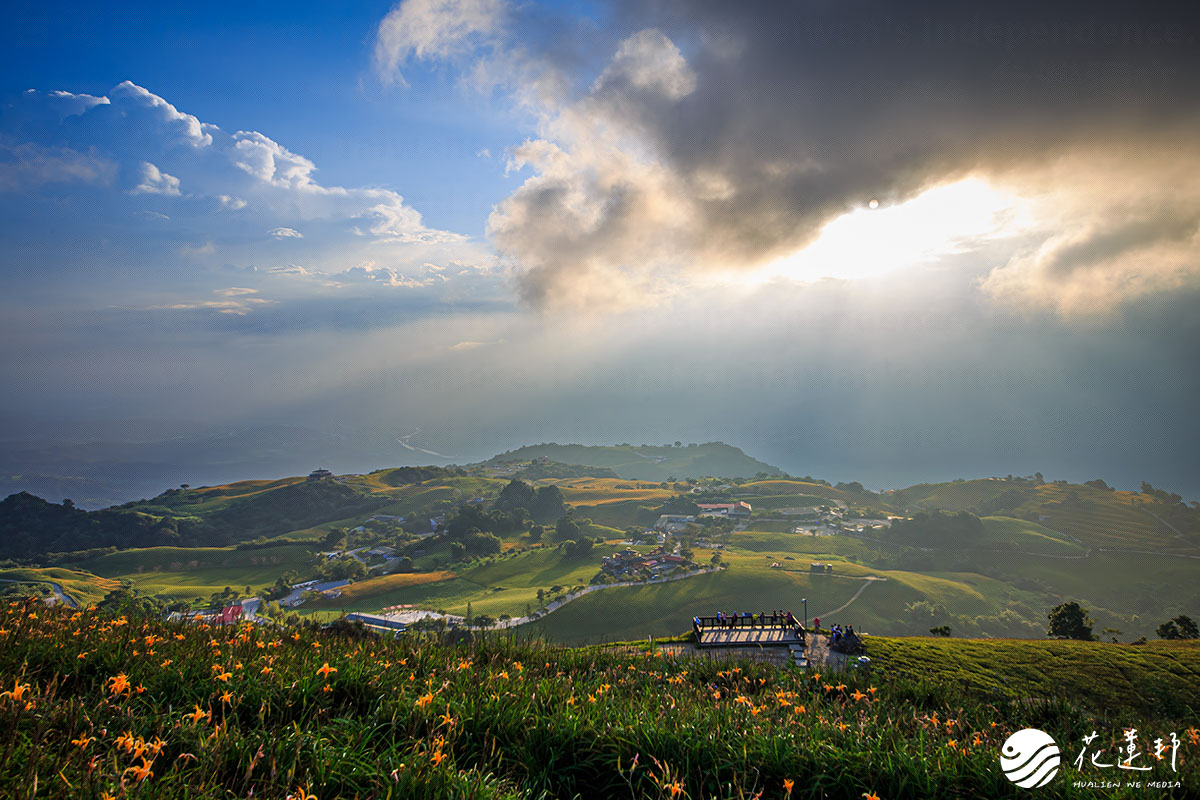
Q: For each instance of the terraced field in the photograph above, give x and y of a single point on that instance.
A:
(1106, 519)
(957, 495)
(597, 491)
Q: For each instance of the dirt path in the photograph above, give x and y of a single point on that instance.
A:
(866, 582)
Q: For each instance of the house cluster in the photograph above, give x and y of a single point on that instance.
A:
(320, 475)
(738, 510)
(629, 564)
(327, 588)
(226, 616)
(674, 523)
(830, 520)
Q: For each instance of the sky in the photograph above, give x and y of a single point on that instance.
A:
(863, 241)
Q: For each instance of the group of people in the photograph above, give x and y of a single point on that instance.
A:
(777, 617)
(836, 633)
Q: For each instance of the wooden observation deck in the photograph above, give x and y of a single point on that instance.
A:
(767, 630)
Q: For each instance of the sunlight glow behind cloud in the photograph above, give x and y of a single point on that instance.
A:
(866, 242)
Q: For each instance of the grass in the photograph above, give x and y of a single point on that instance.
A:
(187, 573)
(1019, 534)
(1153, 678)
(241, 712)
(372, 588)
(82, 587)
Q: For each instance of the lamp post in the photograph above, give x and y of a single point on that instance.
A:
(805, 601)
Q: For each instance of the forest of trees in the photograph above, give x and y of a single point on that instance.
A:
(32, 528)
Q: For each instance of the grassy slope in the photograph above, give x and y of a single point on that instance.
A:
(1157, 677)
(415, 717)
(1024, 535)
(498, 586)
(186, 573)
(83, 587)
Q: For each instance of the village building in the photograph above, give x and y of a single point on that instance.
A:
(738, 510)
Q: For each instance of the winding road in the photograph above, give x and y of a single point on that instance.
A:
(62, 596)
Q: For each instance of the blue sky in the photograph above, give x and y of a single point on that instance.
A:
(300, 70)
(861, 241)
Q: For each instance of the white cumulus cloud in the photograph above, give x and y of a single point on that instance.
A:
(155, 181)
(432, 29)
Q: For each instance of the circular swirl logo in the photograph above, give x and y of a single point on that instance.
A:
(1030, 758)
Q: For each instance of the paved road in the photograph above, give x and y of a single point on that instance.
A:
(555, 605)
(62, 596)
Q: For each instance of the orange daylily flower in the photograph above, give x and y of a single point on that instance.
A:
(788, 783)
(141, 773)
(424, 700)
(325, 670)
(18, 691)
(227, 697)
(871, 796)
(119, 684)
(437, 757)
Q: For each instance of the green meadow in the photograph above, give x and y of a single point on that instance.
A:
(101, 706)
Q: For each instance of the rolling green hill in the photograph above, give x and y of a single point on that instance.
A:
(649, 462)
(1158, 677)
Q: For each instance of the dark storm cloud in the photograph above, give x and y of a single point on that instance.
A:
(769, 120)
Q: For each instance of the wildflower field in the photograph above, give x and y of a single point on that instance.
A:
(102, 706)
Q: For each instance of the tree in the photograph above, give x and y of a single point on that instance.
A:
(1069, 621)
(566, 529)
(549, 504)
(1182, 627)
(535, 533)
(335, 537)
(578, 549)
(484, 621)
(517, 494)
(940, 630)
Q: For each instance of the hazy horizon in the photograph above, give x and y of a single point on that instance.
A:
(866, 242)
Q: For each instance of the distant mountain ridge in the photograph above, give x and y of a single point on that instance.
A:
(649, 462)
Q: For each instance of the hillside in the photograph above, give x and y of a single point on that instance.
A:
(1156, 677)
(331, 714)
(648, 462)
(1091, 514)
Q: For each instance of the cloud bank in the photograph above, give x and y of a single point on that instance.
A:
(715, 139)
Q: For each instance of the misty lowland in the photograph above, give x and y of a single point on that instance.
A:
(591, 621)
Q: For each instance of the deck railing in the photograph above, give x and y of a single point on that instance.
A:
(743, 621)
